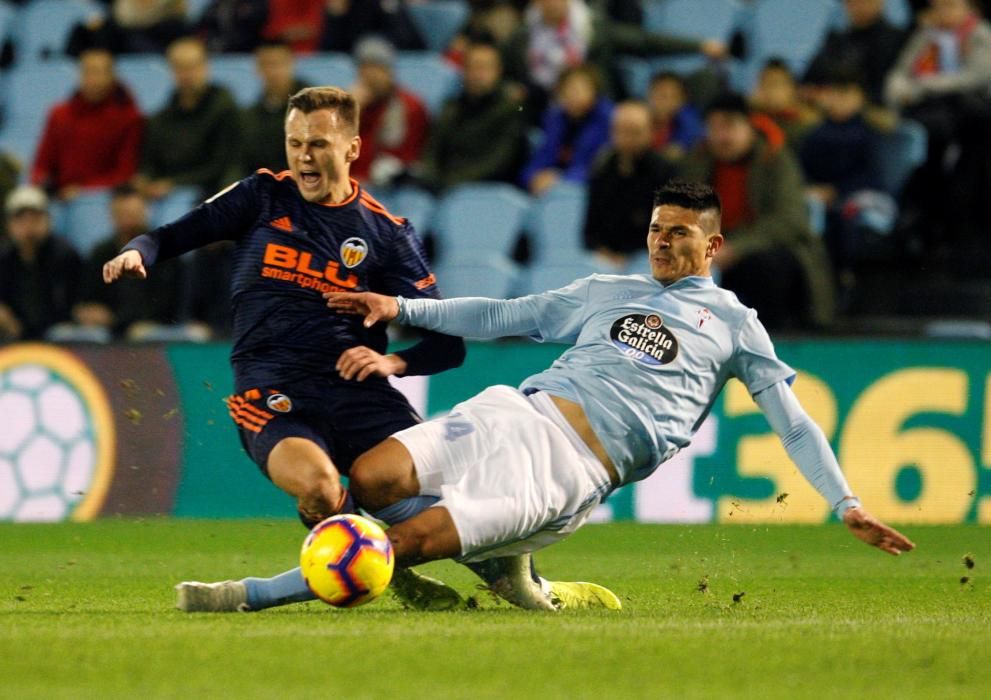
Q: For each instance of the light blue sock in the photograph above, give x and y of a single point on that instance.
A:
(287, 587)
(405, 509)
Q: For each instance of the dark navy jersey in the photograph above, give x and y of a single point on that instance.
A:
(288, 252)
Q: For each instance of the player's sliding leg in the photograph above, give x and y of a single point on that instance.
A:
(301, 468)
(386, 478)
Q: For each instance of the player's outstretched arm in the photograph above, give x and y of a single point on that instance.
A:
(374, 307)
(127, 264)
(809, 449)
(867, 528)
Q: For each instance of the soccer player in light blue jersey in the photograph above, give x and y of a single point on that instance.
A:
(512, 470)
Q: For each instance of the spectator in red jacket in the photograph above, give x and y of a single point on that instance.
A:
(94, 138)
(298, 23)
(394, 121)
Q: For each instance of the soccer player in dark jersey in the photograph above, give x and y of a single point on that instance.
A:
(311, 386)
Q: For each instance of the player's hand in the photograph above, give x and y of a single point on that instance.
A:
(866, 527)
(360, 362)
(127, 264)
(374, 307)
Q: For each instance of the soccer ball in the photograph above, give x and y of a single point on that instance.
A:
(347, 561)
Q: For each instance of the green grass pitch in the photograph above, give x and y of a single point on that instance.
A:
(86, 612)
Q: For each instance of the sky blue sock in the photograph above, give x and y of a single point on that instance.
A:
(287, 587)
(405, 509)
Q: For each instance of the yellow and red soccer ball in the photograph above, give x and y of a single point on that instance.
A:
(347, 561)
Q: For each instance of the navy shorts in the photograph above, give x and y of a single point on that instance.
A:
(345, 420)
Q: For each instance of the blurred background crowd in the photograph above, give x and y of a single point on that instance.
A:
(847, 139)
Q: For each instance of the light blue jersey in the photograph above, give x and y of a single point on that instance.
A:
(647, 361)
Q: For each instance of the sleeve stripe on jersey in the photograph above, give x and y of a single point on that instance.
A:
(373, 204)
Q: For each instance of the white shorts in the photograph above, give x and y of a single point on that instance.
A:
(511, 471)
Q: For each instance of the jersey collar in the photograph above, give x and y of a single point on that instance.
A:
(692, 282)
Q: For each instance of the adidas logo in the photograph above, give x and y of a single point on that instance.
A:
(282, 223)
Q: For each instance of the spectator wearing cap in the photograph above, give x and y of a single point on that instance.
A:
(394, 122)
(39, 272)
(132, 307)
(193, 140)
(480, 133)
(575, 128)
(770, 258)
(94, 138)
(264, 122)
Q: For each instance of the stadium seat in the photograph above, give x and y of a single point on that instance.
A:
(439, 21)
(148, 78)
(8, 16)
(701, 19)
(899, 153)
(237, 73)
(556, 225)
(817, 214)
(428, 75)
(410, 203)
(175, 204)
(639, 264)
(493, 276)
(897, 12)
(195, 10)
(635, 73)
(693, 18)
(540, 278)
(479, 218)
(21, 141)
(71, 333)
(326, 69)
(43, 27)
(87, 220)
(790, 29)
(32, 89)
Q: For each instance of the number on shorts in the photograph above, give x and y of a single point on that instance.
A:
(455, 428)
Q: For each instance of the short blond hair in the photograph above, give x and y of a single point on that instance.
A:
(327, 97)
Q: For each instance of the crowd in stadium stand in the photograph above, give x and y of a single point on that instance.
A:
(542, 102)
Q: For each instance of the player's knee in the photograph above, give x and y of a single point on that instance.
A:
(321, 496)
(372, 485)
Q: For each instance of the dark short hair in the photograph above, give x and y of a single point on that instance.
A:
(327, 97)
(125, 190)
(696, 196)
(776, 63)
(844, 74)
(728, 103)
